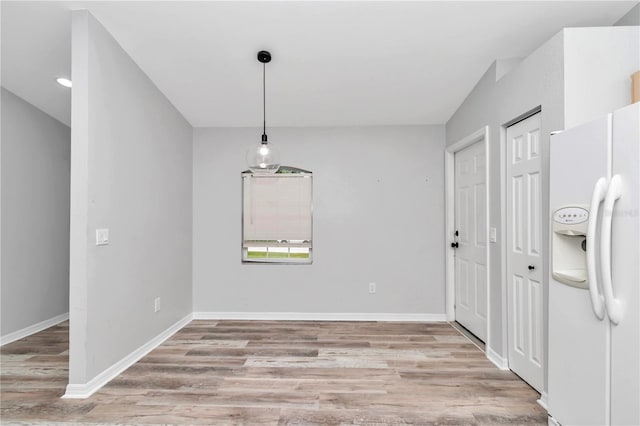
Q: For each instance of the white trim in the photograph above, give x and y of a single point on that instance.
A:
(552, 422)
(318, 316)
(33, 329)
(85, 390)
(449, 226)
(494, 357)
(487, 182)
(478, 136)
(544, 400)
(503, 239)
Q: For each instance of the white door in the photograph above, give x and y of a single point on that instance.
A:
(525, 251)
(470, 224)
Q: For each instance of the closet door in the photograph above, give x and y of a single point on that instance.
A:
(524, 252)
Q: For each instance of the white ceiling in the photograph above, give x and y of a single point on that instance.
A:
(334, 63)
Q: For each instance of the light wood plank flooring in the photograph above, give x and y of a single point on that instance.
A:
(270, 372)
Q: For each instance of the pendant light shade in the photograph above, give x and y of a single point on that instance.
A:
(263, 158)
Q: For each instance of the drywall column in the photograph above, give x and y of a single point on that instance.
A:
(79, 203)
(35, 218)
(131, 173)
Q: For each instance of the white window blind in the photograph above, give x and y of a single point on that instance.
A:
(277, 207)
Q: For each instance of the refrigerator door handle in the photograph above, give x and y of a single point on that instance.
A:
(597, 301)
(614, 308)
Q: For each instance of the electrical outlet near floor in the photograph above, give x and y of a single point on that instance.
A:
(372, 288)
(156, 304)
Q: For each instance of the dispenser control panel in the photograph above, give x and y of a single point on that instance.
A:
(568, 242)
(571, 215)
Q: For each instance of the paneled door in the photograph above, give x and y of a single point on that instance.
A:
(471, 229)
(525, 251)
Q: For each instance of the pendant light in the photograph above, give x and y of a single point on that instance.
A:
(263, 158)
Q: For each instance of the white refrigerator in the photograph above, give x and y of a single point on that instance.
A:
(594, 288)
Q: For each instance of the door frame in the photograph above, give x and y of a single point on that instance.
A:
(449, 166)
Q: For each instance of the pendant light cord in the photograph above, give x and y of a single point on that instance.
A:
(264, 105)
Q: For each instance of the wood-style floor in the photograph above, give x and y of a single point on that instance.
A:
(270, 372)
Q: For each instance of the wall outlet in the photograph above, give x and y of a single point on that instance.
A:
(493, 235)
(372, 288)
(156, 304)
(102, 237)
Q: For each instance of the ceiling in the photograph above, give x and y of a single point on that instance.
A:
(334, 63)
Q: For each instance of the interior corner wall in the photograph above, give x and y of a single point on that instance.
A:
(632, 17)
(378, 215)
(131, 172)
(537, 82)
(598, 67)
(35, 215)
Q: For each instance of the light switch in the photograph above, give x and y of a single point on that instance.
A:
(102, 237)
(492, 235)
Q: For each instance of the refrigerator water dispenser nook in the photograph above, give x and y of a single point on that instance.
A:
(569, 256)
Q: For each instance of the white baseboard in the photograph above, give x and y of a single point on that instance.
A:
(85, 390)
(494, 357)
(318, 316)
(32, 329)
(544, 399)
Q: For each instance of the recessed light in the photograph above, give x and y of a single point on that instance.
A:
(64, 82)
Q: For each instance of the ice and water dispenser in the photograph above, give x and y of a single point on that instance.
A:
(569, 262)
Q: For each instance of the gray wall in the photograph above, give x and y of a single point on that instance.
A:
(598, 65)
(631, 18)
(131, 173)
(536, 82)
(35, 215)
(378, 206)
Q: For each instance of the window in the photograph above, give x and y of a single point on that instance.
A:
(277, 216)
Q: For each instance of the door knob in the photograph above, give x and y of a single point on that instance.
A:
(531, 267)
(454, 245)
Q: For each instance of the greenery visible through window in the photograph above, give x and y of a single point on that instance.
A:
(277, 216)
(278, 252)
